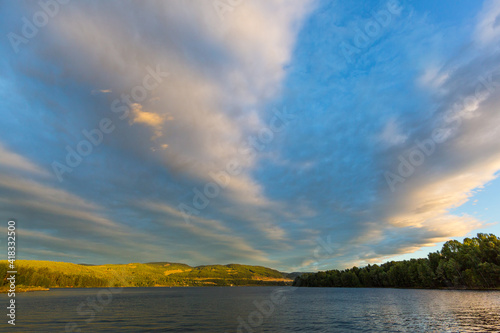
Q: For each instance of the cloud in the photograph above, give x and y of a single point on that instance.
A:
(148, 118)
(366, 221)
(391, 134)
(321, 175)
(248, 51)
(488, 27)
(101, 91)
(15, 162)
(222, 74)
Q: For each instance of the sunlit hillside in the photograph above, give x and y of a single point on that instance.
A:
(60, 275)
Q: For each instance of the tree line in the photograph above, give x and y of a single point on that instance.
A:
(44, 277)
(472, 264)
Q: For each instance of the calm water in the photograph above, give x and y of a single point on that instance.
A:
(256, 309)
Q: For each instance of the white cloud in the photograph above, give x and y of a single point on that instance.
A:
(488, 28)
(248, 51)
(392, 134)
(15, 162)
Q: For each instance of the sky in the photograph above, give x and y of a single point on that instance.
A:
(304, 137)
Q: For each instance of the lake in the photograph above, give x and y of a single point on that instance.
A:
(255, 309)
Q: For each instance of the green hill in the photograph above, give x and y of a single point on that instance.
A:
(32, 273)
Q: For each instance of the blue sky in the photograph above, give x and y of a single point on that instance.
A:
(307, 137)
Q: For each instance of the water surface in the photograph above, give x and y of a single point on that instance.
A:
(256, 309)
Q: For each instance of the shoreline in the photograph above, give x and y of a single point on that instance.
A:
(23, 289)
(407, 288)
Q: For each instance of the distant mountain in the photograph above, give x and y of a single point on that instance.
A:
(293, 275)
(60, 275)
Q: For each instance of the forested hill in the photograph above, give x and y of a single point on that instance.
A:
(33, 273)
(473, 264)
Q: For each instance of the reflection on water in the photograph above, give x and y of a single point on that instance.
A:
(256, 309)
